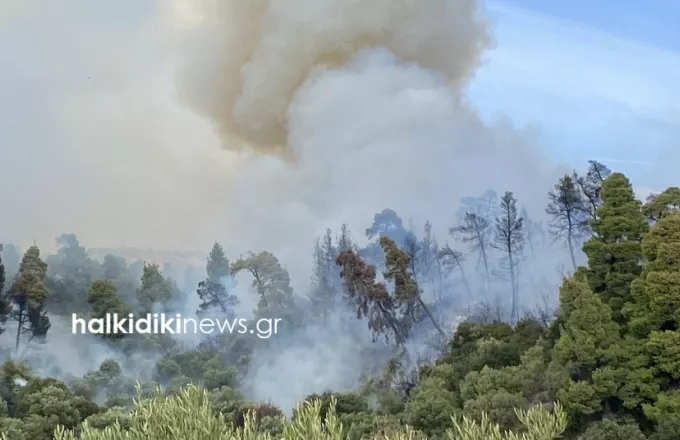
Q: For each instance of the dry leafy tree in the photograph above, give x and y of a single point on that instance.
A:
(387, 313)
(371, 298)
(406, 289)
(565, 208)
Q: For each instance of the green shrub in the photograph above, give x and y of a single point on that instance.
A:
(189, 415)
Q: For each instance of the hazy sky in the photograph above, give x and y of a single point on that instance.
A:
(86, 106)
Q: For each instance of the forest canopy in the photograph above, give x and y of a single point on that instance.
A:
(563, 323)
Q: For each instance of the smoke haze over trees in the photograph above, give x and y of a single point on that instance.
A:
(325, 161)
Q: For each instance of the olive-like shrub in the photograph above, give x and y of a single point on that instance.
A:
(189, 415)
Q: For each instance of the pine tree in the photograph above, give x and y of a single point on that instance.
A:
(217, 266)
(212, 291)
(509, 239)
(5, 305)
(614, 252)
(588, 342)
(452, 259)
(658, 205)
(406, 289)
(566, 207)
(155, 289)
(323, 289)
(656, 292)
(28, 295)
(591, 188)
(3, 273)
(71, 271)
(476, 231)
(272, 284)
(651, 380)
(103, 298)
(371, 299)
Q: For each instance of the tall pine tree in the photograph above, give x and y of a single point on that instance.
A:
(509, 239)
(614, 252)
(212, 291)
(28, 295)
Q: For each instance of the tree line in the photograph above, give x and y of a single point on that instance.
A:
(601, 364)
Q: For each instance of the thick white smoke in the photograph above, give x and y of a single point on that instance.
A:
(249, 58)
(337, 109)
(328, 111)
(366, 97)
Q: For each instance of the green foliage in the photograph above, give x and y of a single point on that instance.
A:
(116, 270)
(190, 415)
(217, 266)
(662, 204)
(71, 271)
(614, 252)
(110, 417)
(538, 424)
(272, 284)
(656, 292)
(588, 332)
(613, 430)
(665, 412)
(212, 291)
(344, 403)
(606, 368)
(155, 288)
(29, 295)
(103, 298)
(33, 407)
(430, 406)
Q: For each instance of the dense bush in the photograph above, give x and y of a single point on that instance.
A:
(189, 415)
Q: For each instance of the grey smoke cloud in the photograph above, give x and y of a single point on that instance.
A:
(368, 98)
(336, 110)
(254, 123)
(249, 58)
(124, 122)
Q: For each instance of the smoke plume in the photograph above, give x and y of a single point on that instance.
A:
(327, 111)
(335, 110)
(250, 58)
(366, 97)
